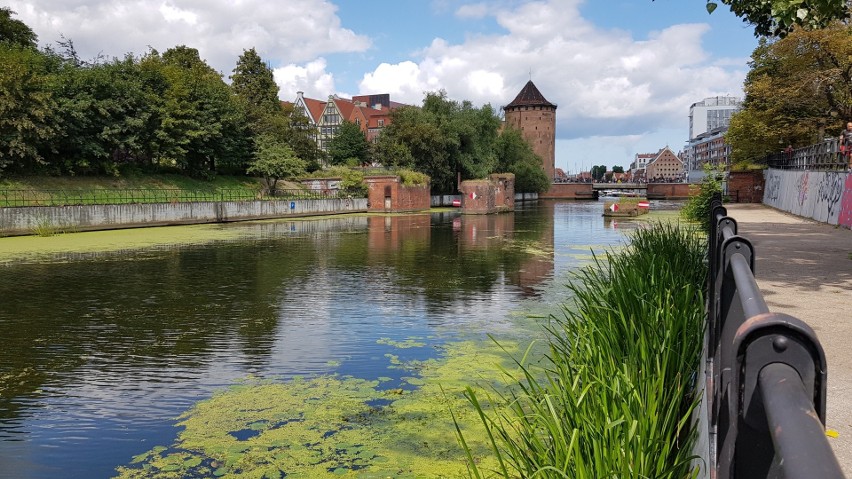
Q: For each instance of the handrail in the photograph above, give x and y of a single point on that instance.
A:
(14, 198)
(825, 155)
(765, 374)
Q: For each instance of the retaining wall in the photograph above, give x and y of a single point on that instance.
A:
(820, 195)
(24, 220)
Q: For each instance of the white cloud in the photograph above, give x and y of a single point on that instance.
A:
(312, 79)
(472, 10)
(605, 82)
(282, 32)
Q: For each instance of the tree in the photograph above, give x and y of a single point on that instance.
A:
(618, 169)
(777, 18)
(444, 139)
(598, 172)
(515, 155)
(349, 146)
(253, 82)
(798, 91)
(15, 32)
(201, 124)
(107, 116)
(275, 160)
(26, 107)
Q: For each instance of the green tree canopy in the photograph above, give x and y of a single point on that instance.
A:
(275, 160)
(349, 146)
(27, 107)
(253, 83)
(777, 18)
(618, 169)
(444, 139)
(201, 123)
(798, 91)
(15, 32)
(515, 155)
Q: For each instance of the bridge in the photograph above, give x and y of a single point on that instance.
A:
(580, 191)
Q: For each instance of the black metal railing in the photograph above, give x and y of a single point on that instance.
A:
(765, 374)
(821, 156)
(21, 198)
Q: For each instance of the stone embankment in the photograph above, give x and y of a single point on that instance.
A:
(27, 220)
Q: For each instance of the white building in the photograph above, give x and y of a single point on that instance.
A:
(712, 113)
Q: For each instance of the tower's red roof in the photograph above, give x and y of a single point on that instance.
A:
(529, 96)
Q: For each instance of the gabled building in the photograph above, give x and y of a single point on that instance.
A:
(370, 112)
(665, 166)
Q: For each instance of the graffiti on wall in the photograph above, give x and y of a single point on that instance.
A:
(845, 217)
(773, 189)
(802, 188)
(829, 192)
(824, 196)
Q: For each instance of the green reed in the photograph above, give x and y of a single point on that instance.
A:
(614, 395)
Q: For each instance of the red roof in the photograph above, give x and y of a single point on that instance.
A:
(529, 96)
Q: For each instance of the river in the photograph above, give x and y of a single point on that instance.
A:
(104, 346)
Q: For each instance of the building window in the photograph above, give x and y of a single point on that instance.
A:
(381, 122)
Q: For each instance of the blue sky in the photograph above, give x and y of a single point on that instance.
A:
(623, 72)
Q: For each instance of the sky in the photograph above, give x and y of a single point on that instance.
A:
(623, 73)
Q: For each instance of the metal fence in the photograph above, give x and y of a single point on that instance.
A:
(822, 156)
(21, 198)
(765, 374)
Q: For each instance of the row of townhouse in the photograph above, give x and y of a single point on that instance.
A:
(370, 112)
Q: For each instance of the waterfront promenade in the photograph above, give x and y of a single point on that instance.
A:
(804, 269)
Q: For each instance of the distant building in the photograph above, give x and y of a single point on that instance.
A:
(640, 162)
(531, 113)
(370, 112)
(708, 148)
(666, 166)
(712, 113)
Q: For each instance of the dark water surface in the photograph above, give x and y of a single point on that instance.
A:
(101, 351)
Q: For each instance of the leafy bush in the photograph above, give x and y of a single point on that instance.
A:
(697, 208)
(413, 178)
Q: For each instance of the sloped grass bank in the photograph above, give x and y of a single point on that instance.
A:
(617, 391)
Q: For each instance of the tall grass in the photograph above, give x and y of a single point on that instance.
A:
(614, 396)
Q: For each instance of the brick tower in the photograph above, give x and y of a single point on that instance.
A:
(531, 113)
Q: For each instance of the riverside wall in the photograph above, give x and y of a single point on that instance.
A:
(824, 196)
(25, 220)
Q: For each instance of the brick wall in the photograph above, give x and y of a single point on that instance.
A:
(746, 187)
(494, 195)
(387, 193)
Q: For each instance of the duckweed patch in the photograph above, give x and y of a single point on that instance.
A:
(334, 426)
(407, 343)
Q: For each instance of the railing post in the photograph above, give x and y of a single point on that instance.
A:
(779, 427)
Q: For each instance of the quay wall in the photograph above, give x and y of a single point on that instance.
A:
(824, 196)
(25, 220)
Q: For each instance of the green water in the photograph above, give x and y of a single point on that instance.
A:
(336, 345)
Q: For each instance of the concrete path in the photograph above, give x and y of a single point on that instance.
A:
(804, 269)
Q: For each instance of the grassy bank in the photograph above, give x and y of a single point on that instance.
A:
(48, 190)
(616, 393)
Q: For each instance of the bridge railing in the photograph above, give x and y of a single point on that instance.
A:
(821, 156)
(765, 374)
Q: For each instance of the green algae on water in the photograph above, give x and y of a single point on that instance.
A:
(334, 426)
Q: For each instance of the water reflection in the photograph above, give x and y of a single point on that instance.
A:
(102, 350)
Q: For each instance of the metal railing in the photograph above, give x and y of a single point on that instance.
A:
(21, 198)
(765, 374)
(821, 156)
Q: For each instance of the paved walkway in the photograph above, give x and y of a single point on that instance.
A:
(804, 269)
